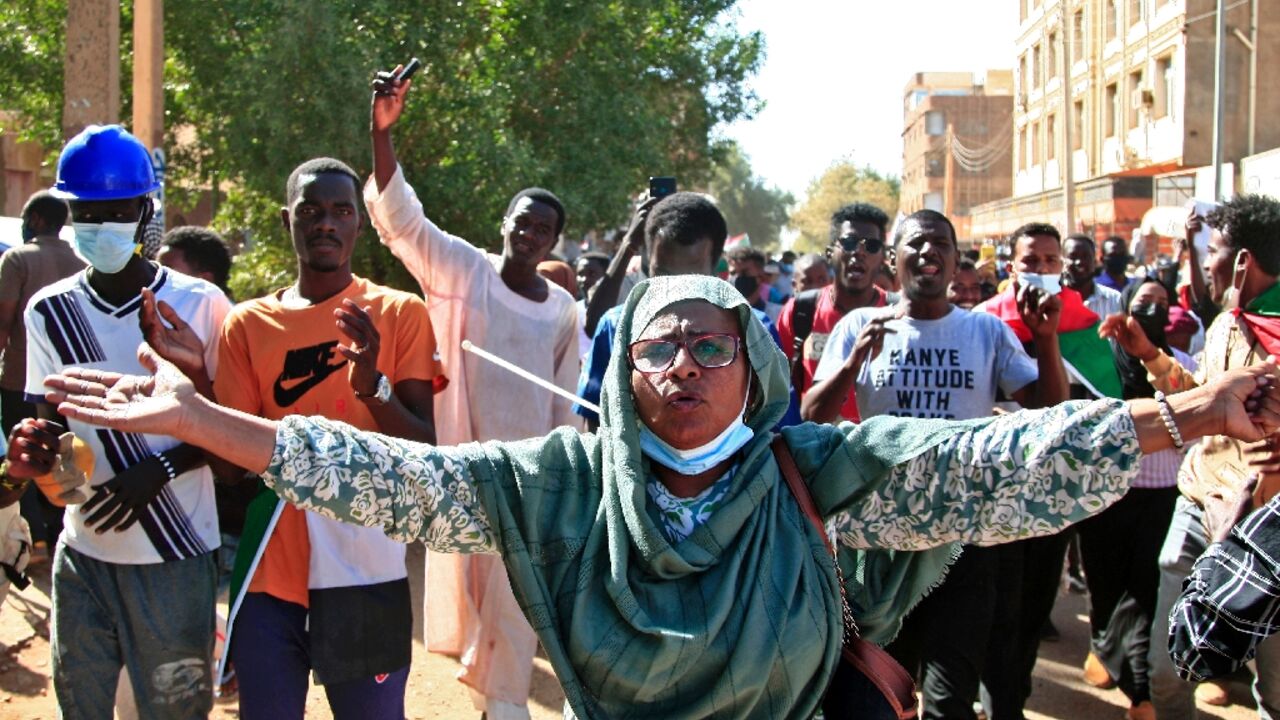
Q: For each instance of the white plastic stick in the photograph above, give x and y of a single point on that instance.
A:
(471, 348)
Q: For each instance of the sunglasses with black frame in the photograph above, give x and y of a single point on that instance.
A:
(850, 243)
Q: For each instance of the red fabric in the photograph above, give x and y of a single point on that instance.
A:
(1075, 316)
(825, 317)
(1265, 329)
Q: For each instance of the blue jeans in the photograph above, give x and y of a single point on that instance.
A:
(155, 619)
(270, 650)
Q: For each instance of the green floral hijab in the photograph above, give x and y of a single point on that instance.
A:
(742, 618)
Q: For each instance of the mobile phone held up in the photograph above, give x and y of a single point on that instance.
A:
(408, 70)
(660, 187)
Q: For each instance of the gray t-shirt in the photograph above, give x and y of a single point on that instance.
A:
(945, 368)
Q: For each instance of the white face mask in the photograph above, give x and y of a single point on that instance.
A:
(702, 458)
(1051, 284)
(106, 246)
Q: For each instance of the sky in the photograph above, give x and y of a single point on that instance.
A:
(835, 70)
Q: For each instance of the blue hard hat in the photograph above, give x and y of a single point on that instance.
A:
(104, 162)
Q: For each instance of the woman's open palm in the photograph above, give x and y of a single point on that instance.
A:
(157, 404)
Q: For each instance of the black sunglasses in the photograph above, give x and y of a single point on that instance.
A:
(849, 244)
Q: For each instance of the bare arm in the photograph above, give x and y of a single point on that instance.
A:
(1051, 386)
(823, 401)
(163, 403)
(1041, 314)
(387, 104)
(605, 294)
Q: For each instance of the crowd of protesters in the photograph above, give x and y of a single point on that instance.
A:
(891, 319)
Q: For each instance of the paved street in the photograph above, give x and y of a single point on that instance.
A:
(25, 691)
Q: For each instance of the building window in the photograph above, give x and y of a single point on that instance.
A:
(1112, 22)
(1137, 11)
(1077, 125)
(935, 123)
(1035, 144)
(1022, 149)
(1035, 66)
(1022, 10)
(1051, 139)
(1136, 99)
(1164, 87)
(1111, 121)
(1051, 64)
(1078, 47)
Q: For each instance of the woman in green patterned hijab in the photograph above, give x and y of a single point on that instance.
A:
(663, 561)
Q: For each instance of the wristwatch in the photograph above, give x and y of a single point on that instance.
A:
(381, 395)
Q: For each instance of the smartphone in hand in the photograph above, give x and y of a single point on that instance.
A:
(660, 187)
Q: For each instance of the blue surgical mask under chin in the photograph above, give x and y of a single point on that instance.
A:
(106, 246)
(702, 458)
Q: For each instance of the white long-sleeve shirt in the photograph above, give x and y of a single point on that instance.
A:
(467, 300)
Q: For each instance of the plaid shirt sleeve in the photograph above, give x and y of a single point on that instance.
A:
(1231, 601)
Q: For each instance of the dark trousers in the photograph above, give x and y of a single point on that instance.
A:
(943, 641)
(1026, 586)
(271, 654)
(44, 517)
(1120, 548)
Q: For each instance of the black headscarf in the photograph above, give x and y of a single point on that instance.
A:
(1133, 374)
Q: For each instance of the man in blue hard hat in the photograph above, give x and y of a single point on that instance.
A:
(134, 573)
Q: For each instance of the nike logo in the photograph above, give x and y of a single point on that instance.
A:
(309, 366)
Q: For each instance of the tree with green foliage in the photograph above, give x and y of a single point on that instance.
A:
(583, 97)
(842, 183)
(749, 205)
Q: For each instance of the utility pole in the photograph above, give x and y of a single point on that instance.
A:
(949, 181)
(1219, 69)
(148, 87)
(1068, 160)
(91, 71)
(1250, 43)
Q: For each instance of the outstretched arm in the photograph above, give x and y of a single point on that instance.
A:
(1036, 472)
(411, 491)
(164, 403)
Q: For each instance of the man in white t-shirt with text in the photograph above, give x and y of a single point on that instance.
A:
(927, 358)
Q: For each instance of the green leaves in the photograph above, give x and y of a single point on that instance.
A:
(585, 98)
(841, 184)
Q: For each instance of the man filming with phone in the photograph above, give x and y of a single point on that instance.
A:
(501, 304)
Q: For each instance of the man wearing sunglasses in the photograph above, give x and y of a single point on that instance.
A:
(928, 358)
(856, 252)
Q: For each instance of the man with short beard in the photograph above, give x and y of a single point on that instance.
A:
(856, 251)
(313, 595)
(1030, 569)
(1243, 267)
(925, 357)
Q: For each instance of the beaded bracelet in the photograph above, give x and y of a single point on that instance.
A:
(173, 474)
(1166, 414)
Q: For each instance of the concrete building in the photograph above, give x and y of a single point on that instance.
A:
(1128, 85)
(955, 141)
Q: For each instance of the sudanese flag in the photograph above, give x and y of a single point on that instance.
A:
(1262, 317)
(1087, 356)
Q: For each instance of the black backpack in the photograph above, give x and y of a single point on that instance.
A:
(802, 312)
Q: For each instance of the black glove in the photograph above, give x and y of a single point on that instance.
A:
(119, 502)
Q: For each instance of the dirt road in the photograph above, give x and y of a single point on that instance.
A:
(26, 694)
